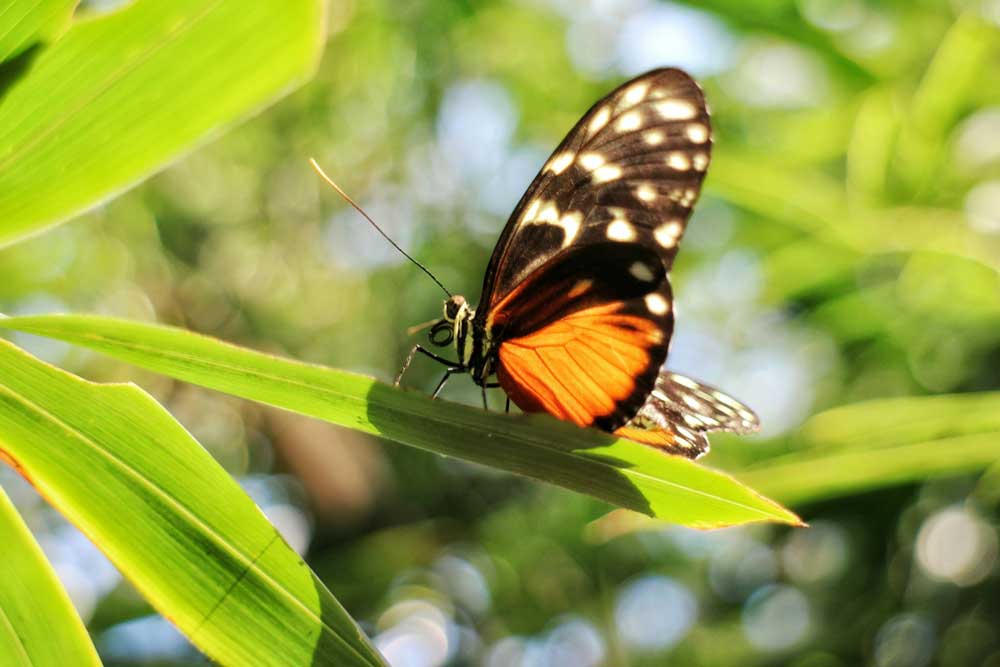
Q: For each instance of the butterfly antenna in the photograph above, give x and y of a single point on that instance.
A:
(322, 174)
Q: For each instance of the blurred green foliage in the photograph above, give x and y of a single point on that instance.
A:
(846, 249)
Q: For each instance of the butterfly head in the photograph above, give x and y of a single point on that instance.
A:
(454, 307)
(455, 327)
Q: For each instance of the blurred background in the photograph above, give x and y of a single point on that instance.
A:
(846, 248)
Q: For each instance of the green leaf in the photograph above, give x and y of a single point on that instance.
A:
(117, 465)
(869, 153)
(868, 445)
(27, 22)
(968, 49)
(954, 76)
(782, 18)
(620, 472)
(29, 592)
(899, 421)
(813, 476)
(121, 95)
(817, 205)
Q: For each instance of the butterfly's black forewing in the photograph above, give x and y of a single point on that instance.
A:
(628, 172)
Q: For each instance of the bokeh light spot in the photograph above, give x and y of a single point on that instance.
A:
(954, 545)
(777, 618)
(906, 640)
(654, 612)
(667, 34)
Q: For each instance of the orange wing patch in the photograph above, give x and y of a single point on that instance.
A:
(653, 437)
(582, 366)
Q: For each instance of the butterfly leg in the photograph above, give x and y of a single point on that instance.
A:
(447, 374)
(507, 409)
(491, 385)
(425, 352)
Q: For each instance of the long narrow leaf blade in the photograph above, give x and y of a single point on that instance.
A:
(38, 625)
(117, 465)
(819, 475)
(121, 95)
(23, 24)
(883, 442)
(620, 472)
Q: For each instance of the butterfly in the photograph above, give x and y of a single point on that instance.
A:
(577, 312)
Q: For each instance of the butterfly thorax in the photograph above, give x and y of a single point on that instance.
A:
(471, 341)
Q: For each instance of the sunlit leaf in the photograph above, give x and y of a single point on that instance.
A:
(952, 76)
(812, 476)
(782, 18)
(117, 465)
(879, 443)
(620, 472)
(29, 591)
(955, 74)
(27, 22)
(122, 94)
(817, 205)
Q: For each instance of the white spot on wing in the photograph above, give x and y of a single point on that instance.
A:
(678, 160)
(693, 403)
(620, 230)
(700, 161)
(676, 110)
(668, 233)
(531, 211)
(684, 381)
(656, 304)
(694, 421)
(599, 120)
(635, 94)
(640, 271)
(549, 213)
(591, 161)
(607, 173)
(645, 192)
(697, 133)
(629, 121)
(571, 225)
(558, 163)
(654, 137)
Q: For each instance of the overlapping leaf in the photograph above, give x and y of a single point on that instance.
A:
(121, 94)
(118, 466)
(29, 591)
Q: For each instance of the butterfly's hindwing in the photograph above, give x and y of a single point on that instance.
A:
(679, 413)
(629, 171)
(583, 337)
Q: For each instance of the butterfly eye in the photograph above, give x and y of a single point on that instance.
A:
(452, 306)
(442, 333)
